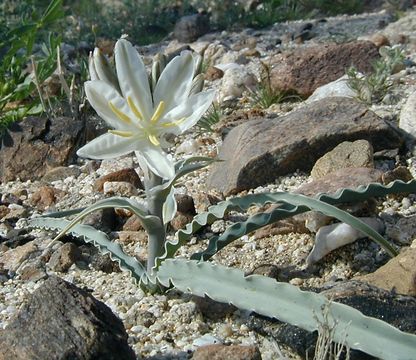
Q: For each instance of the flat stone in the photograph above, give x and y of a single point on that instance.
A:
(345, 155)
(398, 275)
(230, 352)
(344, 178)
(257, 152)
(61, 321)
(61, 173)
(128, 175)
(305, 69)
(13, 258)
(335, 88)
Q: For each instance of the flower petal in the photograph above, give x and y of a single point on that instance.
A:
(100, 94)
(103, 69)
(91, 68)
(157, 161)
(175, 81)
(132, 77)
(191, 111)
(108, 146)
(169, 207)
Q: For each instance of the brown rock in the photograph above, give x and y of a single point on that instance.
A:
(231, 352)
(33, 271)
(398, 275)
(181, 220)
(13, 258)
(4, 210)
(119, 188)
(345, 155)
(132, 237)
(344, 178)
(213, 73)
(399, 173)
(379, 40)
(252, 53)
(185, 203)
(258, 151)
(63, 258)
(133, 223)
(39, 145)
(61, 321)
(127, 175)
(45, 197)
(60, 173)
(305, 69)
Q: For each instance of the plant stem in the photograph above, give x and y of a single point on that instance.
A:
(157, 235)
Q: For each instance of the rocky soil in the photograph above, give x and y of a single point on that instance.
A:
(292, 146)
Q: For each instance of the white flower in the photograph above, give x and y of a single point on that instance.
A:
(140, 118)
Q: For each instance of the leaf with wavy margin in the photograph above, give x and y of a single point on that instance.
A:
(288, 303)
(99, 239)
(218, 211)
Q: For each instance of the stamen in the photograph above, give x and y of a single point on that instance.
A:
(158, 113)
(134, 108)
(122, 116)
(174, 123)
(154, 140)
(121, 133)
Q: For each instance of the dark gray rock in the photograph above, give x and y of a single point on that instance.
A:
(61, 321)
(191, 27)
(397, 310)
(258, 151)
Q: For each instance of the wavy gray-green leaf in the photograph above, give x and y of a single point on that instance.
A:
(288, 303)
(218, 211)
(99, 240)
(235, 231)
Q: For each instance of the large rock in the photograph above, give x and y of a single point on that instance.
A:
(259, 151)
(305, 69)
(40, 144)
(61, 321)
(191, 27)
(350, 178)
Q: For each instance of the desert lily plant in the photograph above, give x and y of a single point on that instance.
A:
(142, 112)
